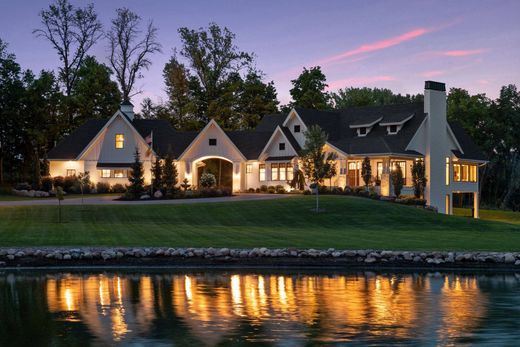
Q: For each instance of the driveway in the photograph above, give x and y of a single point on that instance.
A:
(109, 200)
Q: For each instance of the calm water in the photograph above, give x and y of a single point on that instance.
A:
(269, 308)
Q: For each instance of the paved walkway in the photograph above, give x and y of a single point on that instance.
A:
(109, 200)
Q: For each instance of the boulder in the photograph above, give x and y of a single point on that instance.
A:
(145, 197)
(158, 194)
(509, 258)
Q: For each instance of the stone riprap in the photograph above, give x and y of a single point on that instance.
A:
(257, 256)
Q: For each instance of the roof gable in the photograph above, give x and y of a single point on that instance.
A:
(292, 147)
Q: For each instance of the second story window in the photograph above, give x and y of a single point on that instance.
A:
(281, 146)
(212, 142)
(362, 131)
(120, 141)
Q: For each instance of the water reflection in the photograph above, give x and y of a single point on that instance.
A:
(212, 308)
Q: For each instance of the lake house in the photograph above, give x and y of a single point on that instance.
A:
(389, 135)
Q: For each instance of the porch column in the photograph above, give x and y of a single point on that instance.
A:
(476, 212)
(385, 178)
(236, 177)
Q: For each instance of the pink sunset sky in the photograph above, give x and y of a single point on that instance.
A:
(392, 44)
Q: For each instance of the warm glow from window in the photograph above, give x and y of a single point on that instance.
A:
(105, 173)
(120, 141)
(464, 173)
(402, 165)
(379, 170)
(119, 173)
(261, 171)
(447, 171)
(274, 172)
(71, 172)
(249, 168)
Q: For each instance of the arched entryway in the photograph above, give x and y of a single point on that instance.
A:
(220, 168)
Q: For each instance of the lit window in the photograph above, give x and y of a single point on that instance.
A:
(212, 142)
(402, 165)
(274, 172)
(289, 172)
(119, 173)
(71, 172)
(379, 170)
(447, 171)
(261, 170)
(249, 168)
(473, 173)
(105, 173)
(120, 141)
(296, 128)
(283, 172)
(456, 172)
(281, 146)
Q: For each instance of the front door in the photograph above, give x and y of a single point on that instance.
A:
(353, 173)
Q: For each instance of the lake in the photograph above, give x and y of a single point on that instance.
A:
(199, 307)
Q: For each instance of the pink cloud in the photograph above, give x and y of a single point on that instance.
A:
(356, 81)
(376, 46)
(462, 53)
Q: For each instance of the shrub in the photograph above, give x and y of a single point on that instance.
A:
(279, 189)
(306, 192)
(251, 190)
(71, 184)
(207, 180)
(23, 186)
(257, 190)
(347, 190)
(373, 194)
(337, 190)
(118, 188)
(47, 183)
(411, 200)
(102, 187)
(271, 189)
(263, 188)
(226, 192)
(397, 180)
(58, 181)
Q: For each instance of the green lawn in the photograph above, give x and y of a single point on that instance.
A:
(4, 197)
(348, 222)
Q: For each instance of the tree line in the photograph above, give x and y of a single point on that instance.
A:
(207, 77)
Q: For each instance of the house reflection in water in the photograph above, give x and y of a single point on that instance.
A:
(212, 307)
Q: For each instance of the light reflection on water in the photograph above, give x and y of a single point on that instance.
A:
(270, 308)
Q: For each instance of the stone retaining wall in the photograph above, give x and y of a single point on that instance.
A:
(257, 256)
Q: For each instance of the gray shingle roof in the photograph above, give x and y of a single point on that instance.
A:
(270, 122)
(250, 142)
(471, 150)
(72, 145)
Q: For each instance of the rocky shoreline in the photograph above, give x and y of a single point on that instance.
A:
(290, 257)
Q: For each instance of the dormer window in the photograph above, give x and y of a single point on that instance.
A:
(392, 129)
(296, 128)
(395, 123)
(364, 127)
(362, 131)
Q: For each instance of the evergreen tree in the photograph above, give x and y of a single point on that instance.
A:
(366, 171)
(136, 177)
(419, 178)
(169, 178)
(157, 173)
(397, 180)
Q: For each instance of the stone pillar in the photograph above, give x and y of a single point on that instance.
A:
(386, 188)
(476, 205)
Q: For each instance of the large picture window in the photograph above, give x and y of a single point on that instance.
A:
(464, 173)
(402, 165)
(281, 172)
(379, 172)
(120, 141)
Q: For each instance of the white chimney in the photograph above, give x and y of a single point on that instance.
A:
(128, 109)
(436, 145)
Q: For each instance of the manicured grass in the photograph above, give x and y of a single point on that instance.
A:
(4, 197)
(492, 215)
(348, 222)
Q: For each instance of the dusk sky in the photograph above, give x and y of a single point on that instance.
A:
(393, 44)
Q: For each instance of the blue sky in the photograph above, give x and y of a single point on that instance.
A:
(393, 44)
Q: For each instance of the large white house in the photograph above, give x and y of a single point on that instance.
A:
(389, 135)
